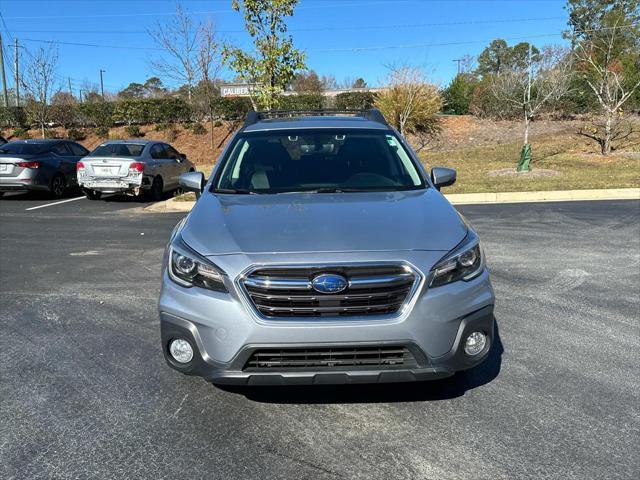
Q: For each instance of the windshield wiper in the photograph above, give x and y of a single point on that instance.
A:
(238, 191)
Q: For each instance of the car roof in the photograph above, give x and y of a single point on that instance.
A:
(131, 142)
(315, 122)
(371, 119)
(42, 141)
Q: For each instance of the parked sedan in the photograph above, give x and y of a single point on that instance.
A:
(2, 140)
(132, 167)
(39, 165)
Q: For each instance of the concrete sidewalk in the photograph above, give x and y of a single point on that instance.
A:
(172, 205)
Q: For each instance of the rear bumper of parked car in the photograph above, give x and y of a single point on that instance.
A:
(28, 179)
(115, 185)
(225, 337)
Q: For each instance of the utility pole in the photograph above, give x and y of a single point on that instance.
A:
(4, 79)
(15, 68)
(458, 61)
(70, 90)
(80, 95)
(101, 83)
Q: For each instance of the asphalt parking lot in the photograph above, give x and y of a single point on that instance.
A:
(85, 392)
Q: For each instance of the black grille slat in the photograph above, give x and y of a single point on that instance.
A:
(372, 290)
(331, 358)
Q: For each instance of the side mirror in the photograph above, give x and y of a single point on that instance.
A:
(181, 157)
(192, 182)
(443, 177)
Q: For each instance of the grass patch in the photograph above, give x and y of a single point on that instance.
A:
(579, 166)
(186, 197)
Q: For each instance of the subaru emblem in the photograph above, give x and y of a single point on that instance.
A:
(329, 283)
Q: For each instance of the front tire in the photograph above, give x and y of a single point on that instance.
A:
(57, 186)
(92, 194)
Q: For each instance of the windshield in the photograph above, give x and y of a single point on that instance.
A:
(19, 148)
(118, 150)
(317, 161)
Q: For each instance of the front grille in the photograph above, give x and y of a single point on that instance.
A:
(371, 290)
(346, 358)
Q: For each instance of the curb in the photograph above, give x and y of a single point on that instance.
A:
(542, 196)
(171, 205)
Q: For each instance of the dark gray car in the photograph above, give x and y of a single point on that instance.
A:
(39, 165)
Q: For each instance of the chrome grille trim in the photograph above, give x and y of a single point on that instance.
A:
(381, 289)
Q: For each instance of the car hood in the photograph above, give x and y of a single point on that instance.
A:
(322, 222)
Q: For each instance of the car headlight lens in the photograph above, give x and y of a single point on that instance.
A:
(463, 263)
(189, 269)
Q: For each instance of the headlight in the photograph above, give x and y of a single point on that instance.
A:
(463, 263)
(189, 269)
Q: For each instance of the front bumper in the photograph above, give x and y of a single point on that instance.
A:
(225, 331)
(234, 373)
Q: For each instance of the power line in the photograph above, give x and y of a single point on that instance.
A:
(338, 50)
(315, 29)
(202, 12)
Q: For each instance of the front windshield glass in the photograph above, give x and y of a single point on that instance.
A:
(118, 150)
(317, 161)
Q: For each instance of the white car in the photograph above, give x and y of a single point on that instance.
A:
(132, 167)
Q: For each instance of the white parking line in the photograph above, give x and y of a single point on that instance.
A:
(55, 203)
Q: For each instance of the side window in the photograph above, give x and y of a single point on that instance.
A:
(171, 152)
(77, 149)
(61, 149)
(157, 151)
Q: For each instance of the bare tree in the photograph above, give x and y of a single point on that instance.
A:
(180, 40)
(541, 81)
(599, 58)
(410, 103)
(38, 81)
(209, 66)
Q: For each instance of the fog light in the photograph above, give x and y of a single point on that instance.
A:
(181, 350)
(475, 343)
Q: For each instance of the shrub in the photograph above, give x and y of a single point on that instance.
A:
(20, 132)
(102, 132)
(217, 123)
(187, 125)
(76, 134)
(198, 129)
(231, 108)
(133, 131)
(50, 133)
(162, 126)
(171, 134)
(457, 95)
(410, 104)
(355, 100)
(12, 117)
(311, 101)
(98, 114)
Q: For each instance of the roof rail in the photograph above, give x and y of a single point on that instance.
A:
(372, 114)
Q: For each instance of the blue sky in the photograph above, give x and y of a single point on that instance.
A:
(345, 38)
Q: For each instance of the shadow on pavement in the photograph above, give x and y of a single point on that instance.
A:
(444, 389)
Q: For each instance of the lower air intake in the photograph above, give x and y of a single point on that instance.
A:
(345, 358)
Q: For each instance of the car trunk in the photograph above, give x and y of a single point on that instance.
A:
(107, 167)
(9, 164)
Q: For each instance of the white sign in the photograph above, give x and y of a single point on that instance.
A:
(235, 90)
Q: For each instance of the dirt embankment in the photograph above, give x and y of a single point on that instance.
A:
(458, 133)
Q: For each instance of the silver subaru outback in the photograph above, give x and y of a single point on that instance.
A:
(320, 251)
